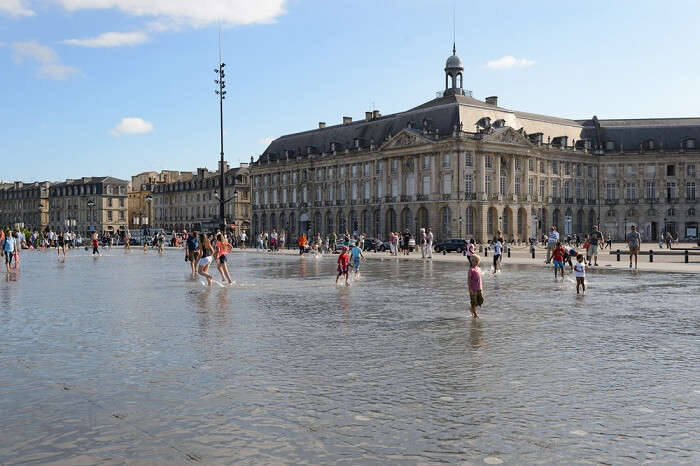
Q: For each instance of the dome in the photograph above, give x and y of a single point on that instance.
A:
(454, 62)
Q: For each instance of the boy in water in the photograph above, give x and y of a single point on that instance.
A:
(343, 260)
(95, 250)
(497, 247)
(558, 259)
(476, 298)
(356, 256)
(580, 272)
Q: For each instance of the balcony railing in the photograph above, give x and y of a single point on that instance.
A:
(580, 201)
(470, 196)
(389, 199)
(611, 201)
(631, 201)
(446, 197)
(556, 200)
(569, 200)
(422, 197)
(328, 203)
(405, 198)
(671, 200)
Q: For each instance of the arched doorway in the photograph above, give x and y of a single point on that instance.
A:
(522, 224)
(579, 226)
(423, 218)
(507, 223)
(390, 223)
(568, 221)
(283, 226)
(354, 224)
(491, 221)
(318, 223)
(329, 223)
(256, 225)
(469, 222)
(365, 221)
(273, 221)
(446, 222)
(377, 223)
(263, 221)
(292, 224)
(591, 220)
(555, 219)
(341, 223)
(407, 220)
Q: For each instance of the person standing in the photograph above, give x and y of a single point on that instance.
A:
(476, 297)
(243, 239)
(558, 259)
(429, 245)
(343, 260)
(552, 241)
(594, 241)
(95, 244)
(356, 256)
(61, 245)
(282, 239)
(634, 240)
(8, 249)
(406, 240)
(207, 256)
(423, 242)
(192, 252)
(223, 248)
(127, 239)
(302, 243)
(580, 272)
(497, 247)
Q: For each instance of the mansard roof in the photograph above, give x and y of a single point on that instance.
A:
(633, 134)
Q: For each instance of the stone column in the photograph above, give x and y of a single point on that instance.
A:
(480, 177)
(497, 173)
(511, 176)
(480, 218)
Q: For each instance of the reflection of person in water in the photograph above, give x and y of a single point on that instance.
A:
(476, 336)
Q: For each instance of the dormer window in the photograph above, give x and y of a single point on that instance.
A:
(610, 145)
(356, 143)
(690, 143)
(649, 144)
(500, 123)
(333, 146)
(309, 150)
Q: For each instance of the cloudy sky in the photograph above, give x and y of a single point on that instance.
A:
(116, 87)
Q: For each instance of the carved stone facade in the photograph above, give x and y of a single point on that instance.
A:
(516, 172)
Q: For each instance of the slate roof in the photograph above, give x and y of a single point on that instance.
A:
(630, 134)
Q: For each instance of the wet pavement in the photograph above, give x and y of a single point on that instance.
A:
(123, 358)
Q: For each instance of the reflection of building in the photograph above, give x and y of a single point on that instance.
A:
(141, 210)
(24, 205)
(468, 168)
(89, 204)
(192, 201)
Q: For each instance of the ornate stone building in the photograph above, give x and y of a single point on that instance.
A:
(192, 201)
(468, 168)
(24, 205)
(141, 195)
(89, 204)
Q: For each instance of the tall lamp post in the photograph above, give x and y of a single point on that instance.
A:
(459, 235)
(90, 204)
(222, 95)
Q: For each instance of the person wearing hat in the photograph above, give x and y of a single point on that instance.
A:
(343, 262)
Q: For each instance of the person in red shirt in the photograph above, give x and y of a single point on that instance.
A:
(343, 261)
(558, 259)
(94, 245)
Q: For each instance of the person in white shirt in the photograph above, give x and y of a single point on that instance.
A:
(244, 237)
(497, 247)
(580, 273)
(552, 240)
(429, 245)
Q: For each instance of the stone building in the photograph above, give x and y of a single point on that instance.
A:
(192, 201)
(141, 198)
(89, 204)
(468, 168)
(24, 205)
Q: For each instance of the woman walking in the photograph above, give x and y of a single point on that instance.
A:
(223, 248)
(206, 252)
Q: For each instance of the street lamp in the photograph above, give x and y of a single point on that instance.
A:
(222, 95)
(460, 227)
(90, 204)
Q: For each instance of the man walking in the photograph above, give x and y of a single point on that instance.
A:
(552, 241)
(594, 243)
(634, 240)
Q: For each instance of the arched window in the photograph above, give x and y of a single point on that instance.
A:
(490, 220)
(446, 216)
(377, 222)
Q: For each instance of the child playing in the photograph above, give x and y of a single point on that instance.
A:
(223, 248)
(497, 247)
(356, 255)
(558, 259)
(343, 260)
(476, 298)
(580, 271)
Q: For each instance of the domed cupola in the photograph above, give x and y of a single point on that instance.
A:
(453, 70)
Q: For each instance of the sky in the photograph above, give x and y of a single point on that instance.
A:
(118, 87)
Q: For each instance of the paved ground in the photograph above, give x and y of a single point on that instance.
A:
(521, 255)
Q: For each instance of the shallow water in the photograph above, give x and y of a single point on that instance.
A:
(123, 358)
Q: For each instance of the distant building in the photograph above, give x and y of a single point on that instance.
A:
(469, 168)
(192, 201)
(24, 205)
(141, 187)
(89, 204)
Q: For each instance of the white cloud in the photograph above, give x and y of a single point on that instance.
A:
(198, 13)
(266, 141)
(132, 125)
(509, 61)
(15, 8)
(50, 65)
(110, 39)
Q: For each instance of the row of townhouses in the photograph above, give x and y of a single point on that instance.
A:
(468, 168)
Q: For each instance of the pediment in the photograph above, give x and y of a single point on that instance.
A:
(405, 138)
(507, 135)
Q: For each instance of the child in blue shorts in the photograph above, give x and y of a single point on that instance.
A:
(356, 256)
(558, 259)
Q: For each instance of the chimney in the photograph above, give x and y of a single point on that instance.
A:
(368, 116)
(493, 100)
(347, 120)
(321, 124)
(376, 114)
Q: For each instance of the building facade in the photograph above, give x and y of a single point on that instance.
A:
(24, 205)
(141, 195)
(89, 204)
(192, 201)
(468, 168)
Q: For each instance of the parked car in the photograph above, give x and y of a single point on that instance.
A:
(452, 245)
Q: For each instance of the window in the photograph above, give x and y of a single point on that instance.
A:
(395, 187)
(319, 194)
(579, 190)
(355, 170)
(502, 184)
(543, 167)
(284, 195)
(650, 189)
(590, 171)
(380, 188)
(354, 191)
(331, 193)
(555, 188)
(611, 191)
(294, 177)
(109, 215)
(517, 186)
(426, 185)
(121, 215)
(410, 184)
(531, 165)
(610, 170)
(610, 145)
(542, 188)
(447, 185)
(489, 161)
(579, 170)
(468, 159)
(671, 191)
(121, 202)
(555, 167)
(487, 180)
(379, 167)
(368, 168)
(394, 165)
(425, 163)
(518, 164)
(446, 160)
(567, 189)
(531, 186)
(630, 170)
(630, 191)
(468, 183)
(319, 174)
(567, 168)
(341, 192)
(109, 202)
(367, 190)
(342, 171)
(690, 190)
(690, 170)
(670, 170)
(331, 173)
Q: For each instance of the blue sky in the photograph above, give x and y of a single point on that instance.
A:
(116, 87)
